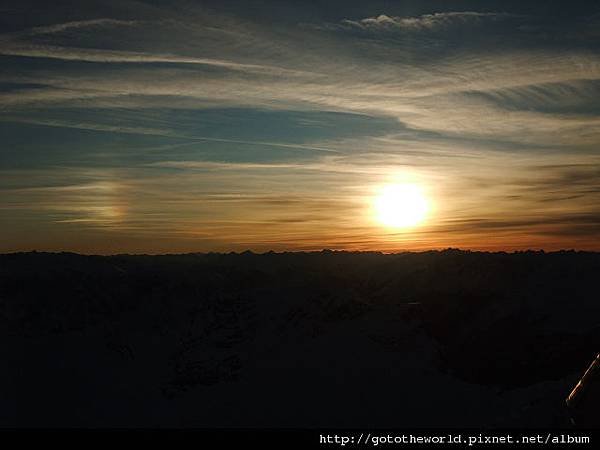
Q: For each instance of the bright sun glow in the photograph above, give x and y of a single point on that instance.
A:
(401, 205)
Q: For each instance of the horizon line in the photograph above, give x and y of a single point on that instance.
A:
(305, 252)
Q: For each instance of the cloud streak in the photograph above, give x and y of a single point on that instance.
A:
(425, 22)
(60, 27)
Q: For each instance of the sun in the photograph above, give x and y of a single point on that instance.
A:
(401, 205)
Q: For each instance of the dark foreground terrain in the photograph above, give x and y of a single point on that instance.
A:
(325, 339)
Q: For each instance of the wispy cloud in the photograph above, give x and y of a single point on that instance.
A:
(425, 22)
(116, 56)
(60, 27)
(23, 44)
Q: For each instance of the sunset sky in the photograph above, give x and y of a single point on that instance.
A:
(180, 126)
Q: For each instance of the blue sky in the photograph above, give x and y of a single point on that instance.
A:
(171, 126)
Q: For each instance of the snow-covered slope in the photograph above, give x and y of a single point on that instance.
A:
(327, 339)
